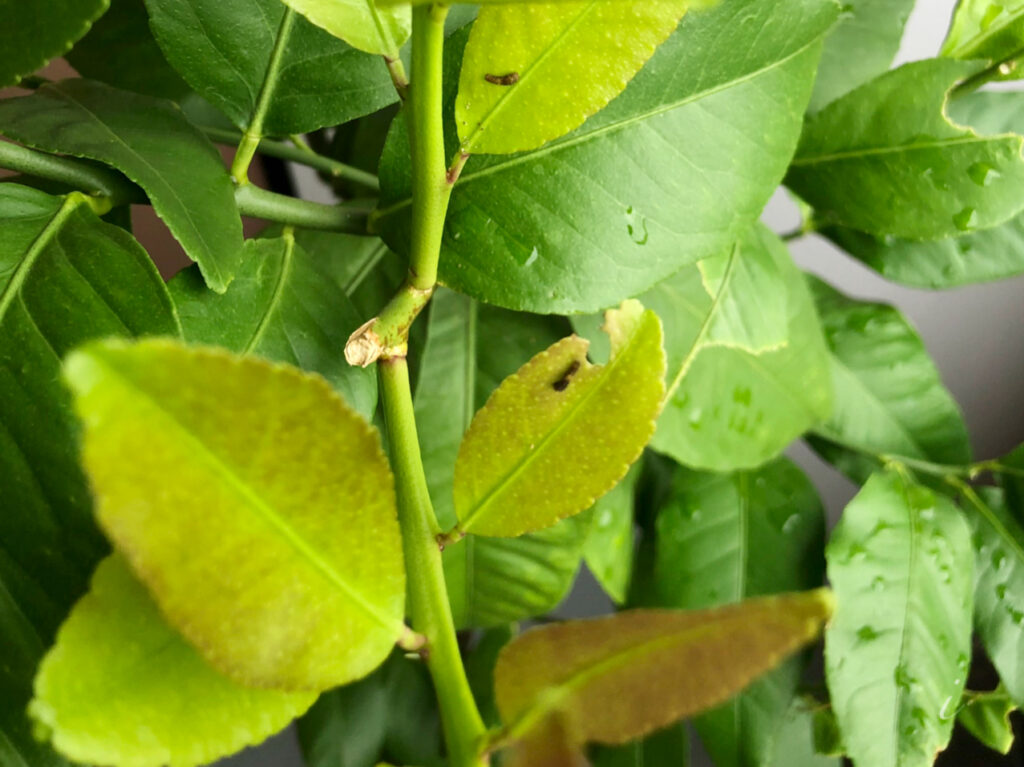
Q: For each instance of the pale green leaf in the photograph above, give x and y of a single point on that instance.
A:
(862, 46)
(561, 432)
(284, 306)
(794, 741)
(470, 349)
(35, 32)
(898, 649)
(886, 160)
(320, 81)
(889, 398)
(360, 23)
(612, 679)
(674, 170)
(255, 505)
(986, 29)
(987, 717)
(152, 143)
(608, 550)
(722, 538)
(992, 254)
(561, 63)
(122, 687)
(67, 277)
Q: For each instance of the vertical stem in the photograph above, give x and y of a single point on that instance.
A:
(428, 594)
(251, 138)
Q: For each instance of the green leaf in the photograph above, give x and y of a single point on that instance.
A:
(321, 81)
(987, 717)
(470, 349)
(608, 550)
(897, 651)
(999, 586)
(272, 544)
(667, 748)
(861, 47)
(122, 687)
(360, 23)
(561, 63)
(561, 432)
(723, 538)
(658, 666)
(35, 32)
(666, 185)
(992, 254)
(152, 143)
(881, 163)
(479, 663)
(794, 741)
(120, 51)
(983, 29)
(67, 277)
(389, 716)
(283, 306)
(889, 397)
(747, 362)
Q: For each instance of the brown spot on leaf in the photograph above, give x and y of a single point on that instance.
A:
(563, 383)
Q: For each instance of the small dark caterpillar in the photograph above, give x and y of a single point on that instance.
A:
(563, 383)
(510, 79)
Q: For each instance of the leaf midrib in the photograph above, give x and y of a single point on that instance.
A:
(865, 152)
(275, 299)
(273, 518)
(988, 34)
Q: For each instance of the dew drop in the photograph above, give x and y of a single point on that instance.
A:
(966, 220)
(867, 634)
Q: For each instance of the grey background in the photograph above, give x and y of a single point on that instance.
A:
(973, 333)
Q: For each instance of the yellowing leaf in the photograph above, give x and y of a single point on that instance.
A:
(560, 432)
(252, 501)
(534, 72)
(122, 687)
(360, 23)
(613, 679)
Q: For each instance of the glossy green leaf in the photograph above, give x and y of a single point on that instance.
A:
(122, 687)
(747, 362)
(256, 506)
(889, 397)
(534, 72)
(861, 47)
(992, 254)
(886, 160)
(987, 717)
(667, 748)
(723, 538)
(561, 423)
(608, 550)
(283, 306)
(657, 666)
(389, 716)
(470, 349)
(363, 24)
(999, 587)
(152, 143)
(985, 29)
(67, 277)
(897, 651)
(794, 741)
(120, 51)
(321, 81)
(673, 171)
(35, 32)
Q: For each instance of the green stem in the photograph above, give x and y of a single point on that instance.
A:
(253, 134)
(428, 595)
(397, 71)
(346, 217)
(285, 151)
(77, 174)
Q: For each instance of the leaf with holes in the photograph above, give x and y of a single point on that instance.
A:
(987, 717)
(561, 432)
(898, 649)
(252, 501)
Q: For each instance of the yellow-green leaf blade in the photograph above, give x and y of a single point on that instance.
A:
(122, 687)
(560, 432)
(252, 501)
(534, 72)
(616, 678)
(360, 23)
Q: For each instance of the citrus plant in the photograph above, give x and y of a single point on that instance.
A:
(330, 473)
